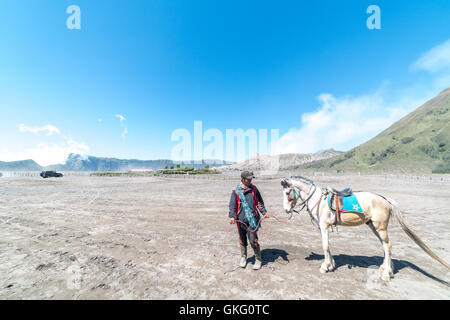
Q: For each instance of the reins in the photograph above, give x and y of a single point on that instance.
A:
(296, 195)
(260, 220)
(252, 230)
(304, 203)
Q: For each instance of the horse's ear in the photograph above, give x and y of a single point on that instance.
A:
(285, 183)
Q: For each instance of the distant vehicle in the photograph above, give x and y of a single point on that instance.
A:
(50, 174)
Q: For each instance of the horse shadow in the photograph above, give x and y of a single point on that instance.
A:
(271, 256)
(366, 262)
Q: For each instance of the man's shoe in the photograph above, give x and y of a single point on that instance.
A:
(243, 262)
(257, 265)
(258, 260)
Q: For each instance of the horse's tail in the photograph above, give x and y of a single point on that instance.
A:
(397, 213)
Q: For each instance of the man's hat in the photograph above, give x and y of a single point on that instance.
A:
(247, 174)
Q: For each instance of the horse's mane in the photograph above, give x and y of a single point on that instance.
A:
(302, 179)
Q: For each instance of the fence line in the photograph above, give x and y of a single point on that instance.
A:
(259, 175)
(423, 177)
(37, 173)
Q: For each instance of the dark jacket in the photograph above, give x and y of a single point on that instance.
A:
(250, 197)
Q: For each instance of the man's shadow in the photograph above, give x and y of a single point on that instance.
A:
(365, 262)
(271, 255)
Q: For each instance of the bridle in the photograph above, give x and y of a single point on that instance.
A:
(305, 202)
(298, 195)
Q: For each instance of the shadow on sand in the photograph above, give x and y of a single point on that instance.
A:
(365, 262)
(271, 256)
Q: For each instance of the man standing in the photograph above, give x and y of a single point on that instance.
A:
(244, 205)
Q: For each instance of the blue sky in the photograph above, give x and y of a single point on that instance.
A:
(161, 65)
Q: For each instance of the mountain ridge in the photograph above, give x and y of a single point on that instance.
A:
(76, 162)
(279, 162)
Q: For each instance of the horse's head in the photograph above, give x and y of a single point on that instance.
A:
(289, 195)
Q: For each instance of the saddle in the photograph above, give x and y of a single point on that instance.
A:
(336, 201)
(342, 193)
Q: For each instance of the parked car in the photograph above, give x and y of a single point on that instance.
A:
(50, 174)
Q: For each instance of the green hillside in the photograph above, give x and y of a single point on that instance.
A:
(417, 143)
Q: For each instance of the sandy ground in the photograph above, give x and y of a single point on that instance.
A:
(168, 238)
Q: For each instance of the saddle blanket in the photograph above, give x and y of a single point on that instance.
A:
(348, 204)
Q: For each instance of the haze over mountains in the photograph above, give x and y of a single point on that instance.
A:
(77, 162)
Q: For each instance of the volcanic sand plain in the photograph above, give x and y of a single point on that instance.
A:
(83, 237)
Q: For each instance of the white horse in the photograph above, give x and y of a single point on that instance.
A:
(376, 213)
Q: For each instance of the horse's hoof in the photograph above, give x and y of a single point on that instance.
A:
(386, 277)
(323, 270)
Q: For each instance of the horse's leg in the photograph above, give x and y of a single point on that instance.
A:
(328, 263)
(386, 268)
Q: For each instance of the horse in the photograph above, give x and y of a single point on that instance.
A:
(376, 212)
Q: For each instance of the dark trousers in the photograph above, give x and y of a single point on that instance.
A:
(245, 233)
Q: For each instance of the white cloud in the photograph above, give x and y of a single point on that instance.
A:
(48, 128)
(434, 60)
(47, 153)
(345, 122)
(125, 132)
(121, 118)
(53, 151)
